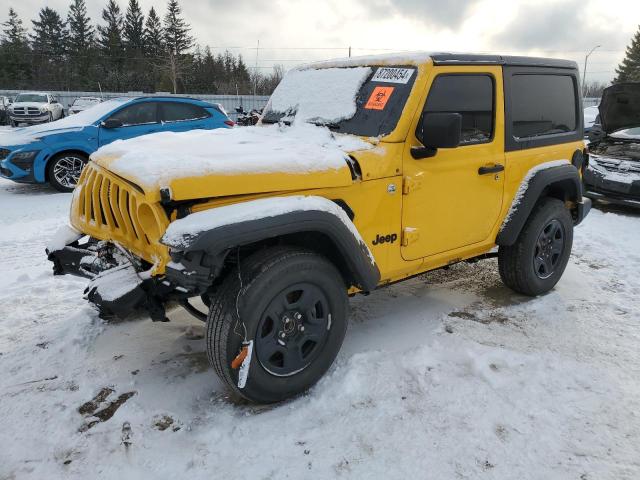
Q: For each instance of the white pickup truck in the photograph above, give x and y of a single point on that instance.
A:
(35, 107)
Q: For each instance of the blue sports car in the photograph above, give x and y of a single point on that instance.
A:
(56, 152)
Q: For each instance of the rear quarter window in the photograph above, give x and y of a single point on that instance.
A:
(180, 112)
(542, 107)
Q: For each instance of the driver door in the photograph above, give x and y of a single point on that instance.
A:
(453, 199)
(137, 119)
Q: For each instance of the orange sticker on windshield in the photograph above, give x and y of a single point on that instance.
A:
(379, 98)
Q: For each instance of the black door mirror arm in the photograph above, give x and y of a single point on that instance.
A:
(419, 153)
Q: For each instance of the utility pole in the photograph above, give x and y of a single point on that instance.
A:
(255, 70)
(584, 72)
(349, 51)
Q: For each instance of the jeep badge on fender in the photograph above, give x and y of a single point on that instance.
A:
(385, 239)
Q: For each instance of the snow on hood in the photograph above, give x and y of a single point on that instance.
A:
(327, 95)
(158, 158)
(628, 134)
(620, 107)
(21, 136)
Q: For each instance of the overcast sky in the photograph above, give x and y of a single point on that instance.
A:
(292, 32)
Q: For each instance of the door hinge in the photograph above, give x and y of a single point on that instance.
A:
(409, 235)
(410, 184)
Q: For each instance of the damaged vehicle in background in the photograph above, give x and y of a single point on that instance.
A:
(613, 171)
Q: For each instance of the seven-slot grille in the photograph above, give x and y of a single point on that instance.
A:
(108, 208)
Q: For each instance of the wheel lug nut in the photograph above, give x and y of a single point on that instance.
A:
(297, 316)
(282, 334)
(301, 328)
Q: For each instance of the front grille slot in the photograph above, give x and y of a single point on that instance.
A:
(4, 153)
(107, 209)
(24, 111)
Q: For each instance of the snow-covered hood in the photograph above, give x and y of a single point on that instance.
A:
(620, 107)
(211, 163)
(36, 133)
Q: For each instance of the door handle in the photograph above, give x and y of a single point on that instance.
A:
(488, 169)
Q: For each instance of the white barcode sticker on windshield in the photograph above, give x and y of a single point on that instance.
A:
(392, 75)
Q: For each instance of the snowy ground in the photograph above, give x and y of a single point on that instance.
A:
(446, 376)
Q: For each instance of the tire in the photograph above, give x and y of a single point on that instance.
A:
(64, 170)
(272, 280)
(536, 261)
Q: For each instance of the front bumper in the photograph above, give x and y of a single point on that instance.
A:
(29, 119)
(116, 286)
(623, 189)
(24, 171)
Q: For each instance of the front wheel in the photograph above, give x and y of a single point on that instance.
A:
(65, 169)
(292, 305)
(534, 264)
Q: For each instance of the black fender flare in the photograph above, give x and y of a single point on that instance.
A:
(353, 251)
(561, 181)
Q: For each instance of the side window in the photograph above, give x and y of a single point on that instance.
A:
(176, 112)
(138, 114)
(542, 105)
(472, 96)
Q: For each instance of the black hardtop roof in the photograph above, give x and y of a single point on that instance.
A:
(507, 60)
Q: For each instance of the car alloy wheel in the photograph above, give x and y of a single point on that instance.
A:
(67, 170)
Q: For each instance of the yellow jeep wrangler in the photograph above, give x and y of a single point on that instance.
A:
(361, 173)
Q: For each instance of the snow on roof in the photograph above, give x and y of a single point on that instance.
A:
(327, 95)
(156, 159)
(397, 58)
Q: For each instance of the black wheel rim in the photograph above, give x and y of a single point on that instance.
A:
(548, 249)
(293, 329)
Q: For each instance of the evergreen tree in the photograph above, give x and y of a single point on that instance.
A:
(81, 32)
(110, 34)
(110, 43)
(13, 32)
(176, 30)
(49, 33)
(134, 27)
(629, 69)
(81, 46)
(14, 53)
(153, 35)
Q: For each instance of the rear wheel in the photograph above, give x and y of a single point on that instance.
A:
(535, 263)
(64, 170)
(292, 304)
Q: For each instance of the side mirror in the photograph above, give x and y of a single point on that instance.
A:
(111, 123)
(439, 130)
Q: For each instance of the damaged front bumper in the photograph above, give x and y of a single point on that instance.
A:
(118, 286)
(618, 187)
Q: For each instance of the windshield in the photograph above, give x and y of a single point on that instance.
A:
(83, 102)
(31, 97)
(365, 101)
